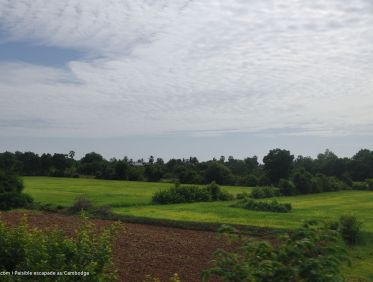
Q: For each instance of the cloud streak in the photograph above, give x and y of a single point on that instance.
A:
(156, 67)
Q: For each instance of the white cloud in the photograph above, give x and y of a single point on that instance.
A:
(194, 66)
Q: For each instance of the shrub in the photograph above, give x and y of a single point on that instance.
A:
(350, 229)
(370, 184)
(264, 192)
(251, 180)
(360, 186)
(216, 194)
(303, 182)
(311, 253)
(81, 203)
(243, 195)
(273, 206)
(286, 187)
(22, 248)
(188, 194)
(14, 200)
(10, 182)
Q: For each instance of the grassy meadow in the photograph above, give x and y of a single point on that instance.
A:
(134, 199)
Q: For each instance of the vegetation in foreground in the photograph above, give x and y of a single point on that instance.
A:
(22, 248)
(313, 252)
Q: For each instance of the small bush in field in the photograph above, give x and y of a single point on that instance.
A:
(360, 186)
(81, 203)
(273, 206)
(264, 192)
(13, 200)
(243, 195)
(189, 194)
(22, 248)
(350, 229)
(370, 184)
(311, 253)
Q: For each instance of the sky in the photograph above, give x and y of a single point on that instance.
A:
(178, 78)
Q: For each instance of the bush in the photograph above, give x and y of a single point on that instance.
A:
(311, 253)
(22, 248)
(14, 200)
(273, 206)
(251, 181)
(10, 182)
(216, 194)
(350, 229)
(360, 186)
(81, 203)
(370, 184)
(188, 194)
(243, 195)
(286, 187)
(264, 192)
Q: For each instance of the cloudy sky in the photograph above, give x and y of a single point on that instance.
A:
(177, 78)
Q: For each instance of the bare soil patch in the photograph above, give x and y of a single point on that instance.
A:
(141, 249)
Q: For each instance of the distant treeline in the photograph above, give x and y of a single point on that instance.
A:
(277, 164)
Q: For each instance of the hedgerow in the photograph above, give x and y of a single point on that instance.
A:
(188, 194)
(273, 206)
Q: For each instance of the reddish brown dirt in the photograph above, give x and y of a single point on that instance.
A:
(142, 249)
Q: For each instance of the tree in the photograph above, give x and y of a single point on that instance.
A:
(303, 182)
(219, 173)
(278, 164)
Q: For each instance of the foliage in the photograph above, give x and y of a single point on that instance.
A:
(350, 229)
(302, 180)
(310, 253)
(273, 206)
(287, 188)
(219, 173)
(360, 185)
(251, 180)
(264, 192)
(81, 203)
(188, 194)
(243, 195)
(278, 164)
(14, 200)
(10, 182)
(11, 195)
(370, 184)
(22, 248)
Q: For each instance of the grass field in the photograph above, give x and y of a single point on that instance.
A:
(63, 191)
(133, 199)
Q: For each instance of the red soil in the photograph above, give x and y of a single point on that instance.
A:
(142, 249)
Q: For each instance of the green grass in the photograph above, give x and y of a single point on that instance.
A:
(63, 191)
(133, 199)
(319, 206)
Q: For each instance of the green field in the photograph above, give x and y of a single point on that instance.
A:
(134, 199)
(63, 191)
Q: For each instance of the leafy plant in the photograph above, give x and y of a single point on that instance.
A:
(22, 248)
(264, 192)
(350, 229)
(188, 194)
(14, 200)
(313, 252)
(273, 206)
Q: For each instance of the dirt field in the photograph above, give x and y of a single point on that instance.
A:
(142, 249)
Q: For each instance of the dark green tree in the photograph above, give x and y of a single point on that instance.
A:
(278, 164)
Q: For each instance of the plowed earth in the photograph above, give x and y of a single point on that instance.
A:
(141, 249)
